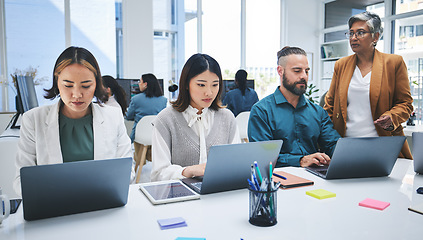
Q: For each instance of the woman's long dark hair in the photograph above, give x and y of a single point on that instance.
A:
(241, 80)
(153, 87)
(117, 91)
(195, 65)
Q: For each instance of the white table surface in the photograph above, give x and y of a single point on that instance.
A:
(225, 215)
(408, 130)
(10, 133)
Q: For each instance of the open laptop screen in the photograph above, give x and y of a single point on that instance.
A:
(75, 187)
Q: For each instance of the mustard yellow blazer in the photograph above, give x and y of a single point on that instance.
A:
(389, 94)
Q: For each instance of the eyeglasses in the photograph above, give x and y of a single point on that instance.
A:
(358, 34)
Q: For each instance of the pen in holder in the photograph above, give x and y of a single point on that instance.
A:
(263, 206)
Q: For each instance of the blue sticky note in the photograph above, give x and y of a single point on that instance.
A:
(188, 238)
(171, 223)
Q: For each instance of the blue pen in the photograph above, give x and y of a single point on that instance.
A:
(279, 176)
(252, 186)
(253, 178)
(256, 182)
(252, 173)
(270, 175)
(258, 171)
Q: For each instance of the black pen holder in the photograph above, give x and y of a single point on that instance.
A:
(263, 207)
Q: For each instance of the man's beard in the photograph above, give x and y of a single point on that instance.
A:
(293, 87)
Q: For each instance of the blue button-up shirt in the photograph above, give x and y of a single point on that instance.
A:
(305, 130)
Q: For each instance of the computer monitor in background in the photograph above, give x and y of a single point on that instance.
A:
(26, 97)
(132, 88)
(230, 85)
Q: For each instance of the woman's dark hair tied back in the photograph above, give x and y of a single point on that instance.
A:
(117, 91)
(153, 86)
(241, 80)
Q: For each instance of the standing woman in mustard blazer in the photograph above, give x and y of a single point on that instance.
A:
(370, 94)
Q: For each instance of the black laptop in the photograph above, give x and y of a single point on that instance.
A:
(229, 166)
(75, 187)
(361, 157)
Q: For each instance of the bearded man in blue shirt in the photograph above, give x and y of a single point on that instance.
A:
(305, 128)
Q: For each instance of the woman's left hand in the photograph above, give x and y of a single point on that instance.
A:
(385, 122)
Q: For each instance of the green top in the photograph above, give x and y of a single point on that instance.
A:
(76, 138)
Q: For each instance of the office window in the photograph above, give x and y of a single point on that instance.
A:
(404, 6)
(165, 22)
(190, 28)
(419, 30)
(408, 43)
(93, 26)
(35, 33)
(119, 38)
(221, 34)
(406, 31)
(263, 42)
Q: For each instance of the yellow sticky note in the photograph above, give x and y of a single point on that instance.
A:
(321, 194)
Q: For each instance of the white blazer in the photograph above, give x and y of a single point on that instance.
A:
(39, 142)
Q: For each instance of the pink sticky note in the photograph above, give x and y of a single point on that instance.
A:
(372, 203)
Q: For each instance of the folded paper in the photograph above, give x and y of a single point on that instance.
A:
(172, 223)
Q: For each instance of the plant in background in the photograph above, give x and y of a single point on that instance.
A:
(29, 71)
(265, 85)
(311, 90)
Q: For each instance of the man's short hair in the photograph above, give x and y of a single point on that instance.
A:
(286, 51)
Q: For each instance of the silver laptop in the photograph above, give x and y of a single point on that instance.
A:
(229, 166)
(361, 157)
(75, 187)
(418, 151)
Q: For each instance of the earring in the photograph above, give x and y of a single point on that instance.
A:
(374, 44)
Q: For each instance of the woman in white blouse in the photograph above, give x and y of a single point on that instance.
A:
(184, 132)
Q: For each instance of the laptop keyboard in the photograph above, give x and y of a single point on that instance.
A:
(197, 185)
(322, 171)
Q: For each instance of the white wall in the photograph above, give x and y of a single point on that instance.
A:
(302, 29)
(137, 21)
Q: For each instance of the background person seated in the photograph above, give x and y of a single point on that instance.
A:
(242, 98)
(149, 102)
(117, 95)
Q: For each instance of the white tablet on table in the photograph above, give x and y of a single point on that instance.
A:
(168, 191)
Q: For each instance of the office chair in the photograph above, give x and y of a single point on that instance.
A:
(322, 99)
(242, 122)
(142, 142)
